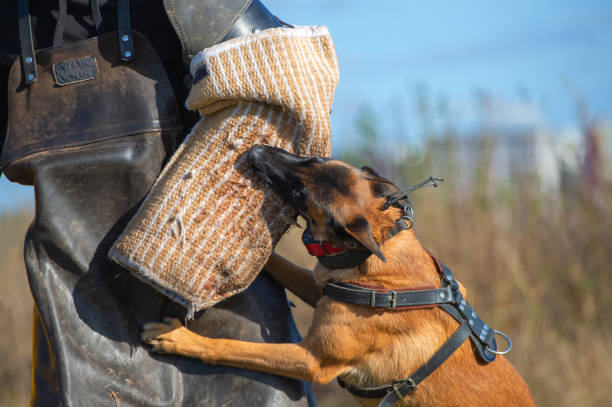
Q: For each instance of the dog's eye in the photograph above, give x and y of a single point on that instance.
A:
(298, 193)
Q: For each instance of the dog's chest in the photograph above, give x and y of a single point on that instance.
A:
(394, 345)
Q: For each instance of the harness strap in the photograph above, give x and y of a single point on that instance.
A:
(449, 298)
(400, 225)
(351, 258)
(390, 394)
(58, 34)
(96, 15)
(124, 30)
(26, 42)
(388, 299)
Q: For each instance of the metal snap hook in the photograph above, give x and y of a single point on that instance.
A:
(508, 341)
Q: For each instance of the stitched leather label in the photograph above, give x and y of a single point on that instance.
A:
(75, 70)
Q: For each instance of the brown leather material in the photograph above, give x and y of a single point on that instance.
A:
(93, 148)
(89, 310)
(125, 98)
(202, 23)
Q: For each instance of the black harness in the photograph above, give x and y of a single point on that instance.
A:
(448, 297)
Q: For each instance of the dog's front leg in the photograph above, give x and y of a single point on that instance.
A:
(284, 359)
(296, 279)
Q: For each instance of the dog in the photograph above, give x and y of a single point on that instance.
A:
(356, 212)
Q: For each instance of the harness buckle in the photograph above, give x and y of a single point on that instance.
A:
(393, 299)
(396, 386)
(373, 298)
(397, 392)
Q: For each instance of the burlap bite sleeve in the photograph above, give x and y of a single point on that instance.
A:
(208, 225)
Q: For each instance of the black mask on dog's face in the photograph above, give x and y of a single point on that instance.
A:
(281, 171)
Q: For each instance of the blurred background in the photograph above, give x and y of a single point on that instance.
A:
(510, 102)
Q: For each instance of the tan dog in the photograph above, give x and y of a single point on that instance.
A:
(362, 345)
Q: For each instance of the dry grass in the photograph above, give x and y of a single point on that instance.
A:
(536, 266)
(16, 311)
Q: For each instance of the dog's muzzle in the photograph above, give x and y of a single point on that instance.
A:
(333, 257)
(316, 248)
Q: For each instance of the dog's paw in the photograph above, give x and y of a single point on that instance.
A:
(165, 337)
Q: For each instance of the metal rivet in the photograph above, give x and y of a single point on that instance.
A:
(482, 337)
(30, 76)
(29, 60)
(462, 302)
(471, 322)
(127, 54)
(125, 37)
(449, 277)
(485, 328)
(461, 307)
(442, 294)
(473, 314)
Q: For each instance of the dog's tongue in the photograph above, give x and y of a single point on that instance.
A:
(316, 248)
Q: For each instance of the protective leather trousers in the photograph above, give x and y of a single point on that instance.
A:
(89, 179)
(89, 311)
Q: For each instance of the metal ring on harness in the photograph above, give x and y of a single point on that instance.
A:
(408, 214)
(508, 341)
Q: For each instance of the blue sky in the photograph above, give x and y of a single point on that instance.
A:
(523, 53)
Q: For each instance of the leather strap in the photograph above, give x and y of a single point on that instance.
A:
(124, 28)
(399, 226)
(26, 41)
(390, 394)
(28, 59)
(388, 299)
(96, 15)
(407, 387)
(449, 298)
(352, 258)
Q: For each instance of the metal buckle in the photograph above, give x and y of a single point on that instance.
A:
(396, 386)
(373, 298)
(393, 299)
(411, 384)
(508, 341)
(397, 392)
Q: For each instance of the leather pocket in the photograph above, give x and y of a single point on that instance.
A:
(85, 94)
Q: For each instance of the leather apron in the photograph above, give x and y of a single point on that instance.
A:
(88, 183)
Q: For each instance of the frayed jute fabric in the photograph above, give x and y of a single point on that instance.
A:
(208, 226)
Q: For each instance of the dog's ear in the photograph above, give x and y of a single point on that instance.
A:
(370, 171)
(359, 228)
(381, 187)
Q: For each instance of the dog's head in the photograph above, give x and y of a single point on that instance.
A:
(342, 204)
